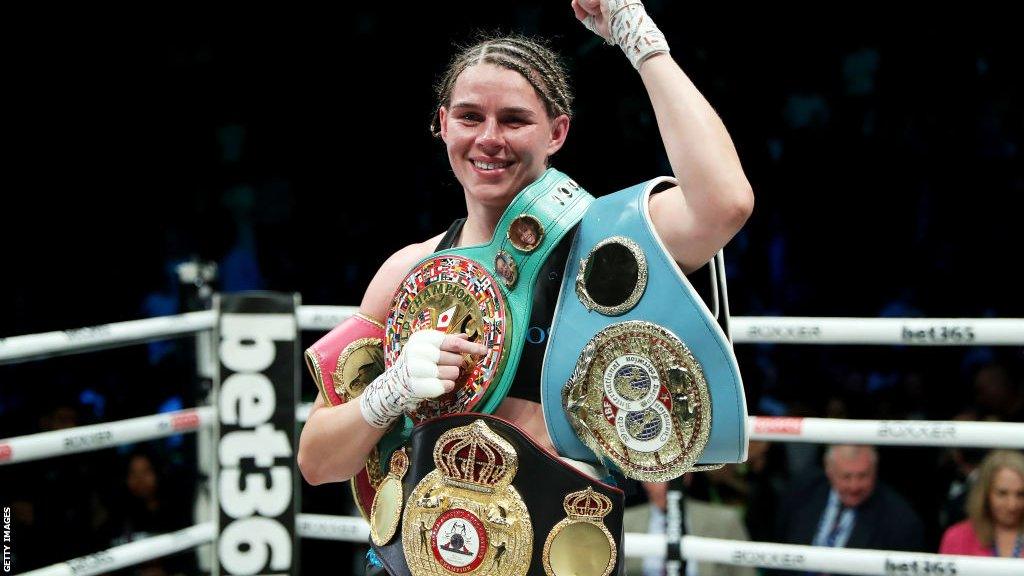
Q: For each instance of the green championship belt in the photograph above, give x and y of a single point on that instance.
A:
(486, 291)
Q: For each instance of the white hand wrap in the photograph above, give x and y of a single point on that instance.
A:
(411, 379)
(631, 29)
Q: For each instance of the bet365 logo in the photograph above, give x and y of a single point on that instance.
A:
(939, 334)
(938, 568)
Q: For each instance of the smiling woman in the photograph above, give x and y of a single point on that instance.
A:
(497, 134)
(504, 109)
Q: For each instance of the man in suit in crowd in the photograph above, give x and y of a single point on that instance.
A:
(848, 507)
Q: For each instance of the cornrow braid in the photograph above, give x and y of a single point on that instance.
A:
(558, 80)
(513, 59)
(531, 58)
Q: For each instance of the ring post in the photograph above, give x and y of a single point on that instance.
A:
(256, 478)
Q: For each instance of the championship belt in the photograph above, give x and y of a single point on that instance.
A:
(347, 358)
(637, 370)
(468, 509)
(342, 363)
(486, 291)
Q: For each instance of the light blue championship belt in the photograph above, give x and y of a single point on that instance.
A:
(637, 371)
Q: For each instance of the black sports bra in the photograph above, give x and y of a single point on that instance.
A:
(526, 384)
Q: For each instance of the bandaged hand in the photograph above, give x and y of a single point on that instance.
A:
(624, 23)
(427, 368)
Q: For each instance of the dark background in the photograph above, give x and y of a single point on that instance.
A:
(292, 148)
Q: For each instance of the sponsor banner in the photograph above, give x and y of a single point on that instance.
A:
(917, 430)
(938, 334)
(766, 559)
(937, 567)
(783, 333)
(88, 441)
(884, 331)
(256, 476)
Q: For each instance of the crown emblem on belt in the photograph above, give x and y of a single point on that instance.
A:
(587, 505)
(476, 458)
(581, 543)
(465, 517)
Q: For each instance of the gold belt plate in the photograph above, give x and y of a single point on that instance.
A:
(639, 397)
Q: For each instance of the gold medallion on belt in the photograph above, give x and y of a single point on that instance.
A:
(581, 545)
(639, 397)
(465, 517)
(358, 364)
(455, 295)
(387, 501)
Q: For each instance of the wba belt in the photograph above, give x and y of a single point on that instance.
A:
(637, 370)
(458, 500)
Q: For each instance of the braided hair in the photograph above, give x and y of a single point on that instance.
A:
(531, 58)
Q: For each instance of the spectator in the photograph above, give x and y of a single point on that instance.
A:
(147, 509)
(848, 507)
(995, 509)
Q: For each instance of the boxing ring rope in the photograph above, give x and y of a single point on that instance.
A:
(938, 433)
(758, 554)
(694, 548)
(935, 433)
(91, 338)
(808, 330)
(745, 330)
(949, 331)
(105, 435)
(132, 553)
(912, 331)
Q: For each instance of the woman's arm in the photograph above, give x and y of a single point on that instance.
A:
(713, 198)
(336, 440)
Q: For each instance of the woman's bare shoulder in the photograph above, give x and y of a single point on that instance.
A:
(377, 299)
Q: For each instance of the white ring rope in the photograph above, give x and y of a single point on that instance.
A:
(48, 344)
(323, 317)
(746, 330)
(97, 436)
(326, 527)
(694, 548)
(739, 553)
(132, 553)
(941, 433)
(913, 331)
(938, 433)
(822, 559)
(808, 330)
